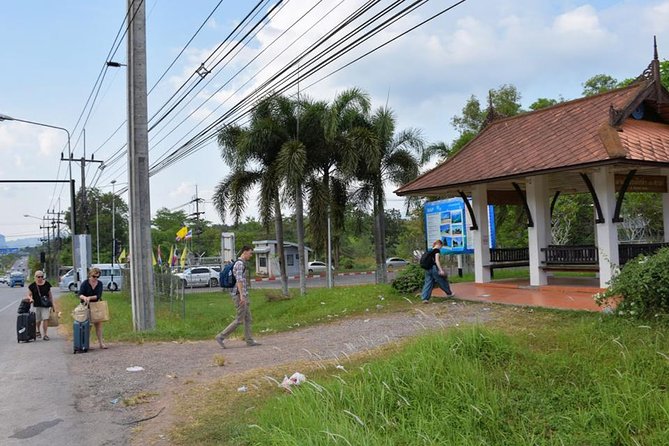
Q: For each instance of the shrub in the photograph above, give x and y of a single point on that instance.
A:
(642, 287)
(409, 279)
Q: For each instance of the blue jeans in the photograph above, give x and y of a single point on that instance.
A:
(431, 277)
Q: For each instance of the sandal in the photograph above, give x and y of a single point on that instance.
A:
(38, 334)
(46, 338)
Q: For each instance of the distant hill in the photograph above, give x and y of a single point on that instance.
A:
(19, 243)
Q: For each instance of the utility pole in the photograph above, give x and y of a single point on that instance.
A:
(84, 205)
(197, 200)
(141, 271)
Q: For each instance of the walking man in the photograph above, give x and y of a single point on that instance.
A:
(240, 296)
(434, 273)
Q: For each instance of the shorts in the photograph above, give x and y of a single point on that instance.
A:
(42, 313)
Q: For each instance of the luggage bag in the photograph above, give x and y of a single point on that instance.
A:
(25, 327)
(81, 336)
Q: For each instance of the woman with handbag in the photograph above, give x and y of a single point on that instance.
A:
(39, 294)
(91, 291)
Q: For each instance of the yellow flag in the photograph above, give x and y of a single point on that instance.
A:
(153, 259)
(181, 233)
(183, 257)
(169, 260)
(122, 256)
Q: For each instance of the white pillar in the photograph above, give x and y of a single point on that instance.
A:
(481, 237)
(607, 232)
(665, 209)
(537, 236)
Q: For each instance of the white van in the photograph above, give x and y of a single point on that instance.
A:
(111, 277)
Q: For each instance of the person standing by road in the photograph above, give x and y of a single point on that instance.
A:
(91, 291)
(240, 297)
(434, 273)
(39, 294)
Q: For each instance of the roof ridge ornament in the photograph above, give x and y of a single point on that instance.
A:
(652, 71)
(492, 114)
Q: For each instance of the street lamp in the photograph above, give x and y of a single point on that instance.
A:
(69, 151)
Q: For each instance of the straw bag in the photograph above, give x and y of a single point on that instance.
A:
(81, 313)
(53, 318)
(99, 311)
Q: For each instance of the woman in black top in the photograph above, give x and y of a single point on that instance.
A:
(91, 291)
(39, 294)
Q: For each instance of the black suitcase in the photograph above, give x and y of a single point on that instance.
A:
(81, 336)
(25, 327)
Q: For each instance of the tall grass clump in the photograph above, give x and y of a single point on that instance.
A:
(560, 379)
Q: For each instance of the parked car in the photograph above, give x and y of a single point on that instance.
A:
(3, 279)
(395, 262)
(111, 277)
(317, 267)
(198, 276)
(17, 278)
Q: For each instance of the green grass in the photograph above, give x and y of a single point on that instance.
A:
(207, 313)
(540, 378)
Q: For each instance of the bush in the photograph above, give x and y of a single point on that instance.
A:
(642, 287)
(410, 279)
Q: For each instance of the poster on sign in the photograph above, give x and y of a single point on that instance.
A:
(447, 220)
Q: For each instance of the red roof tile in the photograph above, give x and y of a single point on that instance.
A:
(566, 135)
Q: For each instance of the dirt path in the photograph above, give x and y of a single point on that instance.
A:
(168, 366)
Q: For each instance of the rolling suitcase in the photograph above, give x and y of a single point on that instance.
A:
(25, 327)
(81, 336)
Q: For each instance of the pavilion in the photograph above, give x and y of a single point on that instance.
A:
(604, 145)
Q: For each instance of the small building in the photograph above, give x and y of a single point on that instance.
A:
(267, 260)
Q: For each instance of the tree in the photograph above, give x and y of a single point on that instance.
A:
(252, 154)
(599, 83)
(335, 140)
(395, 160)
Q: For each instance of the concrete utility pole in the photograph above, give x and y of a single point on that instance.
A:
(141, 272)
(84, 229)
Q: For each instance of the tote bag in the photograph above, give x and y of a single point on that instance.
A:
(99, 311)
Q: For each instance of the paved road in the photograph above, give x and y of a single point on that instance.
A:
(38, 405)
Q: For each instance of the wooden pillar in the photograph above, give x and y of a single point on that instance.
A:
(481, 237)
(537, 236)
(607, 232)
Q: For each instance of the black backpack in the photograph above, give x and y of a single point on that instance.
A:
(427, 260)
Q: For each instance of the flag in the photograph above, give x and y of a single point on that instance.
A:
(173, 257)
(183, 257)
(122, 256)
(189, 235)
(181, 233)
(160, 257)
(153, 259)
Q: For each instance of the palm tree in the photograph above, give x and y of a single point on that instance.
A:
(252, 155)
(399, 159)
(334, 149)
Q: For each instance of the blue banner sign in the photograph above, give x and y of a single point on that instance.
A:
(5, 251)
(447, 220)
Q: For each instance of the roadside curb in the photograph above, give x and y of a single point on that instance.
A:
(311, 276)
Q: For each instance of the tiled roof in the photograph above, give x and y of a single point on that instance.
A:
(568, 134)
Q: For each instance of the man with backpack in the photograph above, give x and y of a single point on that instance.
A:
(434, 273)
(240, 297)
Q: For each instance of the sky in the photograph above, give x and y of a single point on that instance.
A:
(54, 53)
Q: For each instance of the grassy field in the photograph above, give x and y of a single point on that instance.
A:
(533, 378)
(207, 313)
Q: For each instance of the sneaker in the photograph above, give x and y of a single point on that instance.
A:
(220, 341)
(253, 343)
(451, 294)
(426, 301)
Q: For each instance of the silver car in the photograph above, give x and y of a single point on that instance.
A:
(395, 263)
(198, 276)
